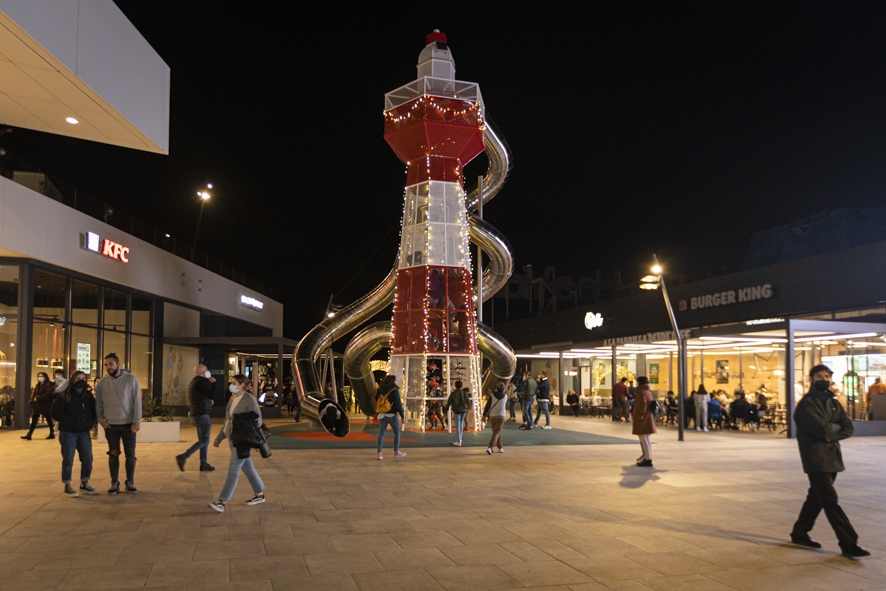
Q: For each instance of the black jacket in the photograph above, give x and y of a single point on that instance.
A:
(821, 424)
(44, 394)
(75, 415)
(572, 398)
(200, 396)
(544, 390)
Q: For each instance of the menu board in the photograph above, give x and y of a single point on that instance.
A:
(84, 357)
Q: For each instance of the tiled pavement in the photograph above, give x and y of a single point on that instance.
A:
(713, 515)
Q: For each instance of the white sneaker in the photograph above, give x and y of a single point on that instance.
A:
(501, 450)
(456, 443)
(381, 457)
(698, 428)
(706, 430)
(489, 450)
(547, 427)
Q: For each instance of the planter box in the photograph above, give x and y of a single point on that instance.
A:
(153, 432)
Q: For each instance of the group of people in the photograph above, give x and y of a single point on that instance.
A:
(714, 408)
(115, 405)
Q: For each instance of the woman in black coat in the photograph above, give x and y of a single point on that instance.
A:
(74, 409)
(41, 404)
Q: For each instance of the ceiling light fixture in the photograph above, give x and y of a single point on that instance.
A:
(71, 120)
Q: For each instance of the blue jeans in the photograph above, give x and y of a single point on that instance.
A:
(234, 475)
(527, 410)
(460, 424)
(383, 423)
(115, 435)
(543, 407)
(81, 443)
(204, 429)
(511, 404)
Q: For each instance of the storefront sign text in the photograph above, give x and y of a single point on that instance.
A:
(650, 337)
(251, 302)
(108, 248)
(593, 321)
(727, 298)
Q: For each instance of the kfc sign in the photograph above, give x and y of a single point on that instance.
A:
(108, 248)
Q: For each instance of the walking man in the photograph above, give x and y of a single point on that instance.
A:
(543, 395)
(821, 424)
(459, 403)
(529, 389)
(200, 397)
(620, 400)
(118, 409)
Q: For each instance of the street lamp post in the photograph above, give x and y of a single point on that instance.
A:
(204, 197)
(654, 282)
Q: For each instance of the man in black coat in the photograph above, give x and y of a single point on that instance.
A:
(821, 424)
(200, 397)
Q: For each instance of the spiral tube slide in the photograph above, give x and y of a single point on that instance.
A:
(378, 336)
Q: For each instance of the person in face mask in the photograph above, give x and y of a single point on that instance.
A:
(41, 404)
(201, 397)
(241, 401)
(74, 409)
(821, 424)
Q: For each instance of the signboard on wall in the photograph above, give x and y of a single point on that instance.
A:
(84, 357)
(653, 373)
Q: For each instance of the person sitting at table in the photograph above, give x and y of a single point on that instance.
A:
(760, 408)
(584, 401)
(671, 407)
(689, 411)
(740, 410)
(572, 401)
(715, 412)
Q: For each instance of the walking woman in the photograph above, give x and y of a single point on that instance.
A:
(644, 420)
(74, 411)
(495, 411)
(41, 404)
(241, 401)
(390, 412)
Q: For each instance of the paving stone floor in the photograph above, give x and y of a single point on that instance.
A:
(713, 514)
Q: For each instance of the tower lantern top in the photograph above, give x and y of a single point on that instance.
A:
(435, 60)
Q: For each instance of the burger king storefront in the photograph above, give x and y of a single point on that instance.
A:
(759, 331)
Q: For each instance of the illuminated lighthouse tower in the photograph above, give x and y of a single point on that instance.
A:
(435, 125)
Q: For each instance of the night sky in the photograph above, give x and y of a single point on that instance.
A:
(679, 128)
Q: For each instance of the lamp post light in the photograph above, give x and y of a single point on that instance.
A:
(655, 281)
(204, 197)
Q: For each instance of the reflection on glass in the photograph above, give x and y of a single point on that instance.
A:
(115, 342)
(142, 361)
(48, 351)
(49, 296)
(85, 304)
(141, 315)
(115, 310)
(8, 334)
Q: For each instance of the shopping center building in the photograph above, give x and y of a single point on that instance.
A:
(759, 329)
(74, 288)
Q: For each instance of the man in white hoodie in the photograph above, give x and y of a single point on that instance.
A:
(118, 409)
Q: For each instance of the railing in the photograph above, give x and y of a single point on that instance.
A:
(35, 179)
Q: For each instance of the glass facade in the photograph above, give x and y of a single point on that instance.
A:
(9, 290)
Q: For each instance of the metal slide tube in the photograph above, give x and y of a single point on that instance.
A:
(372, 339)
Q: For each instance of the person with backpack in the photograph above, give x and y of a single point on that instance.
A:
(495, 411)
(389, 409)
(459, 403)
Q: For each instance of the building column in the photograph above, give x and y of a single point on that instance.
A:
(789, 381)
(23, 344)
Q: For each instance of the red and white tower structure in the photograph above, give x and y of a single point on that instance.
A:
(435, 125)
